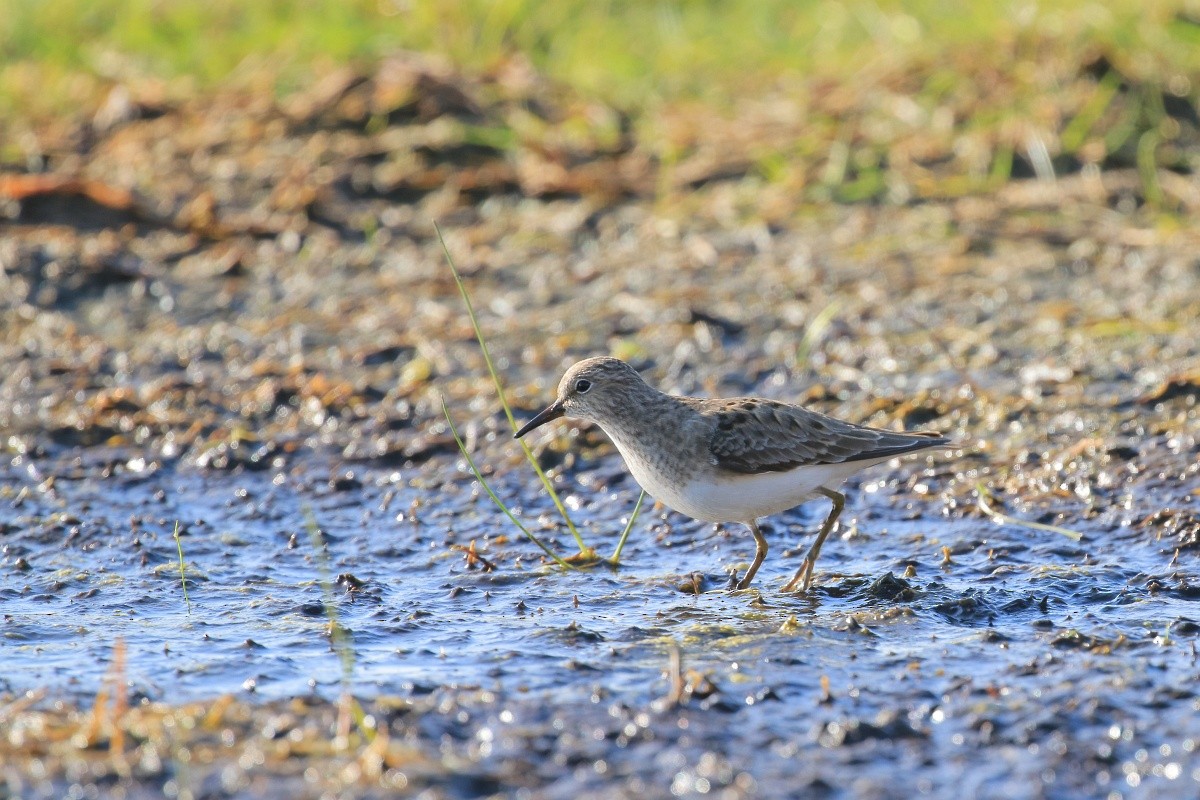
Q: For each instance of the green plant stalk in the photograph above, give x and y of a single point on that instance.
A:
(1148, 168)
(813, 333)
(1001, 170)
(1077, 130)
(462, 448)
(182, 572)
(615, 558)
(512, 421)
(338, 637)
(1005, 519)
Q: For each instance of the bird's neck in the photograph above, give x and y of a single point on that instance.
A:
(648, 438)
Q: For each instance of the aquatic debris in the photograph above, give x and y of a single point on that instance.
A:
(685, 684)
(475, 559)
(985, 506)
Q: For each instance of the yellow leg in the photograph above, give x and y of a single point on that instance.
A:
(805, 572)
(759, 554)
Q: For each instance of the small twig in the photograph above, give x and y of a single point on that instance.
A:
(1004, 519)
(474, 555)
(116, 743)
(814, 331)
(21, 704)
(675, 697)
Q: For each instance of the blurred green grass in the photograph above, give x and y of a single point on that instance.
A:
(630, 52)
(1091, 82)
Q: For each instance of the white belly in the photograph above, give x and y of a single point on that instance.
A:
(730, 497)
(741, 498)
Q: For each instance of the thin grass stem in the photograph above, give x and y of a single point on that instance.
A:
(615, 558)
(512, 421)
(182, 571)
(1005, 519)
(813, 333)
(339, 637)
(462, 448)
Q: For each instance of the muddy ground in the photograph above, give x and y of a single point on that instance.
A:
(237, 315)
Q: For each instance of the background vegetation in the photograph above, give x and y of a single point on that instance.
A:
(1054, 85)
(630, 52)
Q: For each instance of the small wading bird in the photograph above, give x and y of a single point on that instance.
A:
(726, 460)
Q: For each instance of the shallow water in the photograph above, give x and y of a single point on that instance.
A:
(1023, 660)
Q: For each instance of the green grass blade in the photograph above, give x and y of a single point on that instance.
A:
(616, 556)
(339, 638)
(1004, 519)
(182, 571)
(1147, 163)
(1077, 130)
(813, 333)
(462, 448)
(337, 634)
(1002, 163)
(512, 421)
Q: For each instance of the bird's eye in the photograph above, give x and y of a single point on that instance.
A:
(582, 385)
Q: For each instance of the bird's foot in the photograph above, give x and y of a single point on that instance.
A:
(803, 576)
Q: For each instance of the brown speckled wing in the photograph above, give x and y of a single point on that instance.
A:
(754, 435)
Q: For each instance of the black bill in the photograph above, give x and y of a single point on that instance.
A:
(554, 411)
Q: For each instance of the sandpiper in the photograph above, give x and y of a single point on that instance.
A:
(726, 460)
